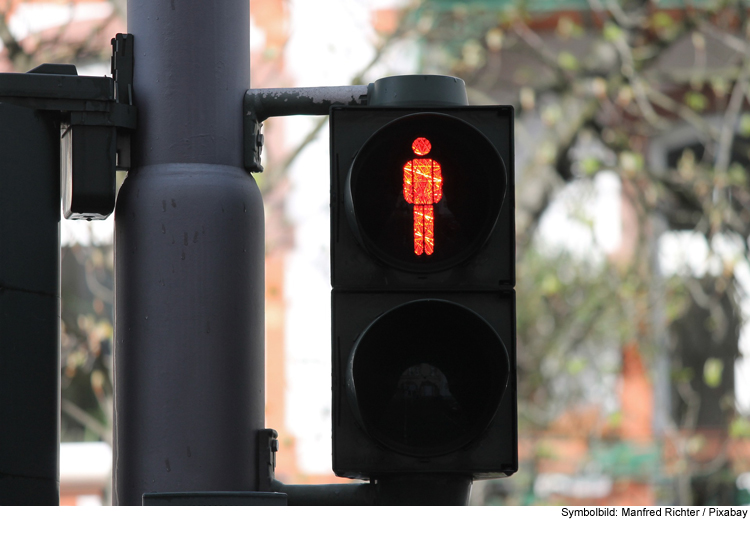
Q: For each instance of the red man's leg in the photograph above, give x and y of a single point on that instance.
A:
(429, 232)
(418, 229)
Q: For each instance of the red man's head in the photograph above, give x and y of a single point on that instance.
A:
(421, 146)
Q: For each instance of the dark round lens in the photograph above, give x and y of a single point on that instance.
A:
(427, 377)
(426, 173)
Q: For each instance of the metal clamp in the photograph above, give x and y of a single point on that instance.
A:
(82, 100)
(96, 116)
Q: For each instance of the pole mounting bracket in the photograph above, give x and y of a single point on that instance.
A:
(82, 100)
(260, 104)
(95, 115)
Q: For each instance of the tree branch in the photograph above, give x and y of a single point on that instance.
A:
(16, 53)
(281, 169)
(84, 418)
(731, 115)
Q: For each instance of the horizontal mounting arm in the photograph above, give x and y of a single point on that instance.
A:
(260, 104)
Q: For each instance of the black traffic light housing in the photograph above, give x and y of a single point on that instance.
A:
(424, 351)
(477, 438)
(60, 135)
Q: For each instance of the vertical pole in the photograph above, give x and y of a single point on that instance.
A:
(189, 245)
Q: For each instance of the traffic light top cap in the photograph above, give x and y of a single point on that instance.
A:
(418, 90)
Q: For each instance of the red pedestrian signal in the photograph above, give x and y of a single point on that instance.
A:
(425, 191)
(423, 187)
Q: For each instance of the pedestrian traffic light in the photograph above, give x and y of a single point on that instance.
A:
(423, 299)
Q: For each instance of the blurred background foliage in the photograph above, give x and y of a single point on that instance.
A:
(657, 93)
(86, 342)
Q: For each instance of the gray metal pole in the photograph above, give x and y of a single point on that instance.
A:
(189, 244)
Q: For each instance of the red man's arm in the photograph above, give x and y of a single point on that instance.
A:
(409, 183)
(437, 182)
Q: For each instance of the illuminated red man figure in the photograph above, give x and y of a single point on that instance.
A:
(423, 187)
